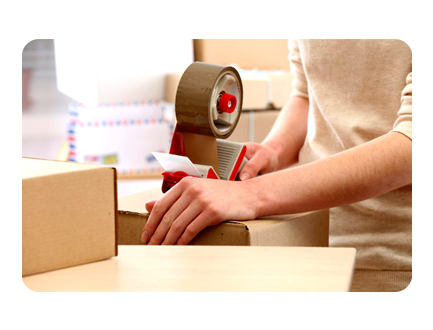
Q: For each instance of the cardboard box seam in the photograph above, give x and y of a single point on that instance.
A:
(116, 224)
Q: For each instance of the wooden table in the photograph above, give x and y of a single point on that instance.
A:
(208, 269)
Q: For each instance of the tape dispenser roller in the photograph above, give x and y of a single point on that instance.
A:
(208, 106)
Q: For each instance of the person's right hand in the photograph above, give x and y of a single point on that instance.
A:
(261, 159)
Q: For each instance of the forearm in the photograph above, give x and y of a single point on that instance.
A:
(288, 133)
(371, 169)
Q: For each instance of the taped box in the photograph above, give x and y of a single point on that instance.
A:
(121, 135)
(304, 229)
(69, 214)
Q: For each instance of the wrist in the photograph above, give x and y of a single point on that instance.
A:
(255, 199)
(276, 147)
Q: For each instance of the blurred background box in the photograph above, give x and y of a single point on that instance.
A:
(96, 71)
(248, 54)
(69, 214)
(254, 125)
(121, 135)
(263, 89)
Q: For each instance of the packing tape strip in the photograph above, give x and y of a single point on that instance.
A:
(197, 96)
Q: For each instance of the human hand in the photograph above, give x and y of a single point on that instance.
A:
(261, 159)
(194, 204)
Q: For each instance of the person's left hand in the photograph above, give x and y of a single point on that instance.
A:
(194, 204)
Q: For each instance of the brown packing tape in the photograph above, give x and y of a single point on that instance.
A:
(201, 149)
(197, 93)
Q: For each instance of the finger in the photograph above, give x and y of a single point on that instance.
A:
(256, 164)
(159, 208)
(181, 222)
(149, 205)
(202, 221)
(251, 149)
(167, 220)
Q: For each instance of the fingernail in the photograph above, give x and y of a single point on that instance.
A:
(144, 237)
(245, 176)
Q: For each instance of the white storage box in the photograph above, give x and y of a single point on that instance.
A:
(121, 135)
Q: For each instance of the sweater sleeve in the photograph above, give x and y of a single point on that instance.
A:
(403, 124)
(299, 82)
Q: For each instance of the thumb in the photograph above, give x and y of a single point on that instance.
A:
(149, 205)
(251, 169)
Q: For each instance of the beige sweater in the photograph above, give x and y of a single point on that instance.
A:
(359, 90)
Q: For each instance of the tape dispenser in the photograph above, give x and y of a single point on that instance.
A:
(208, 106)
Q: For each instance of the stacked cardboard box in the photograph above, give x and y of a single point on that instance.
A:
(264, 68)
(69, 214)
(260, 54)
(254, 125)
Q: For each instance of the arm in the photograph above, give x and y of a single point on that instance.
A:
(365, 171)
(371, 169)
(281, 147)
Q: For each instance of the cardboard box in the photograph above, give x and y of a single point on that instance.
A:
(248, 54)
(93, 71)
(305, 229)
(254, 126)
(281, 88)
(242, 131)
(121, 135)
(256, 93)
(69, 214)
(263, 122)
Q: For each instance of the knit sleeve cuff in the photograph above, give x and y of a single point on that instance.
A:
(404, 128)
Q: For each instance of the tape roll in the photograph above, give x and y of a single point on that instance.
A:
(198, 94)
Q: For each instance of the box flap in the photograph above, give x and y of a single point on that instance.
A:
(34, 167)
(291, 229)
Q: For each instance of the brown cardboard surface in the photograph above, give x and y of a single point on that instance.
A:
(68, 214)
(255, 94)
(263, 122)
(281, 87)
(241, 133)
(305, 229)
(248, 54)
(171, 83)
